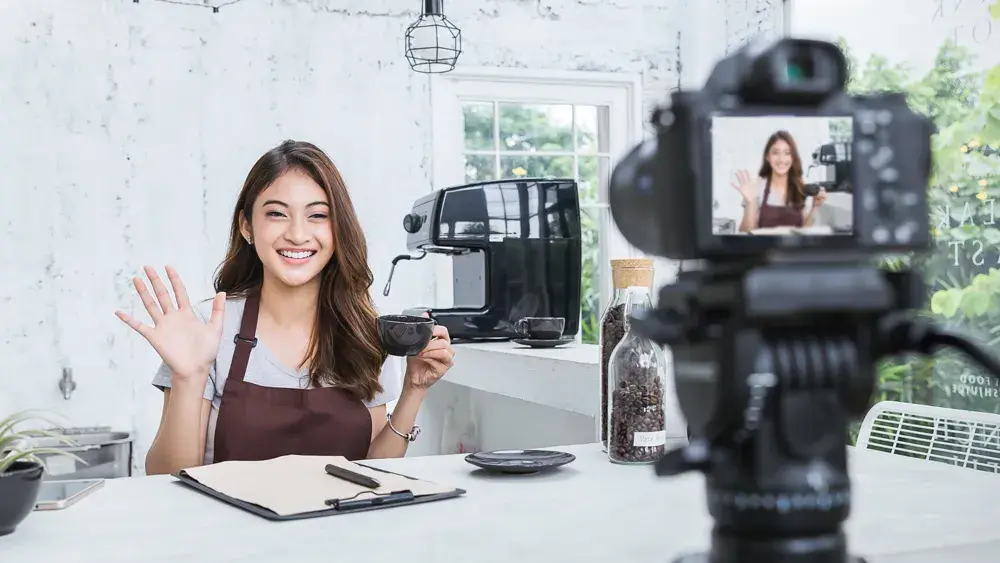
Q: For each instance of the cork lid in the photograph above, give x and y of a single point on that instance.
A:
(631, 263)
(632, 272)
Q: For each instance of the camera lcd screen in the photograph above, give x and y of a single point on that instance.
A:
(782, 175)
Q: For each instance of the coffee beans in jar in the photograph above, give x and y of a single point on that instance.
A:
(612, 331)
(626, 273)
(638, 433)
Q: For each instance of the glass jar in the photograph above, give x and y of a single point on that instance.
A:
(637, 390)
(625, 273)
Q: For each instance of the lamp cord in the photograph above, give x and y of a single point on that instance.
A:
(215, 8)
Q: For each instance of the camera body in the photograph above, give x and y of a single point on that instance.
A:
(661, 193)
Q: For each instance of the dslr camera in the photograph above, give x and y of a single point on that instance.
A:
(663, 193)
(776, 332)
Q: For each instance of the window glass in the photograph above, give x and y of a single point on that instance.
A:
(945, 54)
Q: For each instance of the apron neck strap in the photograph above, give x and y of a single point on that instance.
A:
(246, 338)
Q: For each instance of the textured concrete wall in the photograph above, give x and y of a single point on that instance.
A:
(127, 129)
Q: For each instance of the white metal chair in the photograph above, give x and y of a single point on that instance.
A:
(956, 437)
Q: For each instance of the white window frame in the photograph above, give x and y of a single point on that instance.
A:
(621, 93)
(786, 17)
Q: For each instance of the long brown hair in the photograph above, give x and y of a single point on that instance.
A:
(796, 193)
(344, 349)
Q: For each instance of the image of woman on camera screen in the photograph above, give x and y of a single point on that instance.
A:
(776, 197)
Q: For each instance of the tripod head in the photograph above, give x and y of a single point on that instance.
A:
(771, 361)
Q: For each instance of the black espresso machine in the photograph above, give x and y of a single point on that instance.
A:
(515, 247)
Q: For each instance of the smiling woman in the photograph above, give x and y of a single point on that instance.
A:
(286, 359)
(776, 197)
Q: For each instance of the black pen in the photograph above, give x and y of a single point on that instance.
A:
(356, 478)
(396, 497)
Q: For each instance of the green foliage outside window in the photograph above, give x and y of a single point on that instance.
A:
(963, 273)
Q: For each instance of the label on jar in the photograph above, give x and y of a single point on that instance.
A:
(649, 439)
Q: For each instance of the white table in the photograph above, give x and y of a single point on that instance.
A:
(902, 507)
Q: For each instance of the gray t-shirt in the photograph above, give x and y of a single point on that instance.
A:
(263, 368)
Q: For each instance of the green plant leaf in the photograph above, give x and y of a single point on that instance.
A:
(7, 424)
(7, 442)
(991, 84)
(32, 454)
(995, 10)
(10, 452)
(963, 233)
(975, 302)
(946, 302)
(979, 167)
(982, 282)
(991, 130)
(992, 235)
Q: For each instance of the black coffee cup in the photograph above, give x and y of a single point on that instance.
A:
(404, 335)
(540, 328)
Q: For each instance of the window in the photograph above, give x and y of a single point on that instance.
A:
(941, 54)
(491, 125)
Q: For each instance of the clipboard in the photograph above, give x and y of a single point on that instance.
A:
(373, 500)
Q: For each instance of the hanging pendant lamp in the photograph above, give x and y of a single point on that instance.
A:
(433, 43)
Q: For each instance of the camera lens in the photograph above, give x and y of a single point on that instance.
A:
(632, 199)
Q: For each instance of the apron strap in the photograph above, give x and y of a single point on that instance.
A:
(246, 338)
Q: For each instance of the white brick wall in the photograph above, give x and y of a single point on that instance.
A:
(126, 130)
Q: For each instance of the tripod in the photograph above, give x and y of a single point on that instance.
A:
(769, 377)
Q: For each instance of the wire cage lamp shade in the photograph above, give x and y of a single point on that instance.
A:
(433, 43)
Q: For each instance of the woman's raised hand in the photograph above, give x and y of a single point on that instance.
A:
(746, 185)
(184, 342)
(819, 198)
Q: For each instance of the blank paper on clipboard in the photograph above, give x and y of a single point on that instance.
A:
(294, 485)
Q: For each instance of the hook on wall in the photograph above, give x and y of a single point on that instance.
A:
(66, 384)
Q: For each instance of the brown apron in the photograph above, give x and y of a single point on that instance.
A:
(777, 215)
(257, 423)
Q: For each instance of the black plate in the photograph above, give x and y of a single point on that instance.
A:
(542, 343)
(519, 461)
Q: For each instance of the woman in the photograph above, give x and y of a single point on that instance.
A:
(286, 359)
(783, 202)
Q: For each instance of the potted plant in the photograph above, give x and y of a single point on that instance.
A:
(21, 470)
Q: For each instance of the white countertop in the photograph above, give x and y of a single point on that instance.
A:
(574, 514)
(566, 377)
